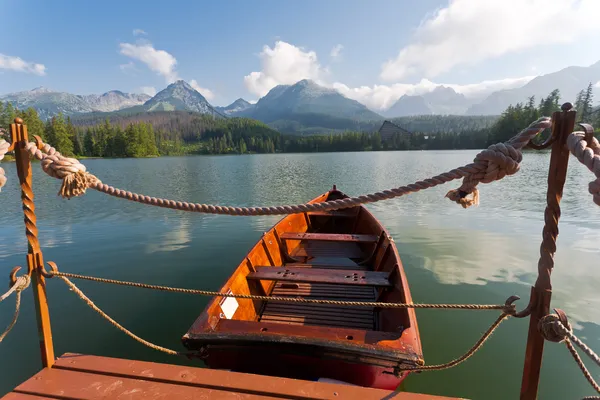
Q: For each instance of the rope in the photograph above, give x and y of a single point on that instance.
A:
(506, 308)
(4, 145)
(588, 153)
(489, 165)
(469, 353)
(453, 363)
(553, 329)
(21, 284)
(114, 323)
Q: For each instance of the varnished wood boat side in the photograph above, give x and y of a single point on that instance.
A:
(297, 333)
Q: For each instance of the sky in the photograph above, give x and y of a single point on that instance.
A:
(372, 51)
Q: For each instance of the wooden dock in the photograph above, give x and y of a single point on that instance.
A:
(78, 376)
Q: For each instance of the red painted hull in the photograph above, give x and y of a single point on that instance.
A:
(307, 368)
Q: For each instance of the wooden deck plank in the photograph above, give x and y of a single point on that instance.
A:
(314, 275)
(92, 377)
(329, 237)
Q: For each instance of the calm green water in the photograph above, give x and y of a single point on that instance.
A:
(479, 255)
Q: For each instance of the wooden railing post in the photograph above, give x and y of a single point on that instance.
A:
(562, 125)
(35, 260)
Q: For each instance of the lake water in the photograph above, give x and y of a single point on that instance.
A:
(480, 255)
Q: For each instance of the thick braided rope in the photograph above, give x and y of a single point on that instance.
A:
(588, 153)
(4, 145)
(492, 164)
(469, 353)
(508, 309)
(21, 284)
(114, 323)
(554, 330)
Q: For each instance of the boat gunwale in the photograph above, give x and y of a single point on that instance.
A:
(393, 350)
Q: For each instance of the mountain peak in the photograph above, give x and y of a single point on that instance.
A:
(180, 96)
(41, 89)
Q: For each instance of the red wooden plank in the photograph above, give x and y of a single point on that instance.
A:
(329, 237)
(313, 275)
(70, 384)
(91, 377)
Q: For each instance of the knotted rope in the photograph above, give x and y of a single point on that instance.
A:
(21, 283)
(587, 151)
(492, 164)
(553, 329)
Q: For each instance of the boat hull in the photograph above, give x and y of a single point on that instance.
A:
(343, 255)
(261, 361)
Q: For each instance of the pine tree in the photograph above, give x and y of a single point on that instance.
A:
(63, 142)
(88, 143)
(35, 126)
(587, 104)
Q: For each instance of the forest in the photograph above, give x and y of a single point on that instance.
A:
(181, 133)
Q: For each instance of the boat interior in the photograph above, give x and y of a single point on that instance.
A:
(343, 255)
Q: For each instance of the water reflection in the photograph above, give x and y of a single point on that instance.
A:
(480, 255)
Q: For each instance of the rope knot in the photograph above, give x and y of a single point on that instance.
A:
(22, 283)
(553, 328)
(494, 163)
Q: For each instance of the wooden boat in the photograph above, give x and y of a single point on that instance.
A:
(338, 255)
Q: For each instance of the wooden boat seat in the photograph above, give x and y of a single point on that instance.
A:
(315, 275)
(330, 237)
(328, 249)
(339, 214)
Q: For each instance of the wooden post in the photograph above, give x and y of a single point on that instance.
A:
(35, 261)
(541, 293)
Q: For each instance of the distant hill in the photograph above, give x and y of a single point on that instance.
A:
(569, 81)
(237, 107)
(48, 102)
(440, 101)
(307, 108)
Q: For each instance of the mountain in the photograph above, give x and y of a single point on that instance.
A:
(179, 96)
(569, 81)
(442, 100)
(238, 106)
(285, 102)
(48, 102)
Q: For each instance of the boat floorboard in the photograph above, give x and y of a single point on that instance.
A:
(326, 256)
(78, 376)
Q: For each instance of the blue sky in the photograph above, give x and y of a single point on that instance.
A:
(232, 49)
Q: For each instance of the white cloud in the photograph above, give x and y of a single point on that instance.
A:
(18, 64)
(381, 97)
(469, 31)
(336, 51)
(283, 64)
(139, 32)
(597, 84)
(287, 64)
(207, 93)
(158, 61)
(130, 66)
(149, 90)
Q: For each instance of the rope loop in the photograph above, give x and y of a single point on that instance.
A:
(494, 163)
(586, 148)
